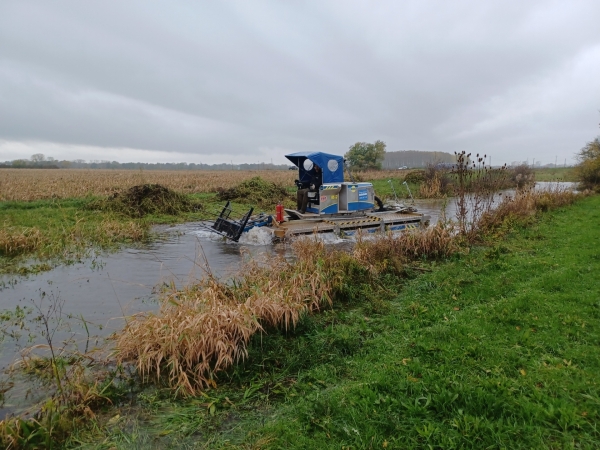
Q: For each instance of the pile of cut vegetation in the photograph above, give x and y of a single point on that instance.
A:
(256, 191)
(145, 199)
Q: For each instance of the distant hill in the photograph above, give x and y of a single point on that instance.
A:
(415, 158)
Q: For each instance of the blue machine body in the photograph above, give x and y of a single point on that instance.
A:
(332, 166)
(334, 196)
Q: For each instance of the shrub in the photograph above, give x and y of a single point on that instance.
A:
(416, 176)
(521, 176)
(436, 182)
(588, 170)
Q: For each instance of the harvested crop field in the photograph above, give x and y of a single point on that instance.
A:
(37, 184)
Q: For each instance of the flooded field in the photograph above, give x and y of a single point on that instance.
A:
(96, 295)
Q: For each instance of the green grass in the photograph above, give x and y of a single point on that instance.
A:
(383, 189)
(70, 229)
(556, 174)
(494, 349)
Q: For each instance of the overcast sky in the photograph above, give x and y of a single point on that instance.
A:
(251, 80)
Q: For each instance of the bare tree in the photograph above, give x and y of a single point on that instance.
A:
(38, 157)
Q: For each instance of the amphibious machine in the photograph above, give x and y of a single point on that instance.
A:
(333, 205)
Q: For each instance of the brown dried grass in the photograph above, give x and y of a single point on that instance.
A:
(36, 184)
(203, 329)
(393, 250)
(17, 240)
(523, 205)
(431, 188)
(113, 231)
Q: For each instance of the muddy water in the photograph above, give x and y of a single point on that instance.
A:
(103, 289)
(107, 287)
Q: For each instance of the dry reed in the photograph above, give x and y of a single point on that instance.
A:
(431, 188)
(205, 328)
(393, 249)
(16, 240)
(77, 237)
(113, 231)
(523, 205)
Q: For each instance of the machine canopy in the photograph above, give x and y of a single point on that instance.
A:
(332, 166)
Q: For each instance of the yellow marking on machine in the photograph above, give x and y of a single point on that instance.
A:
(353, 222)
(408, 226)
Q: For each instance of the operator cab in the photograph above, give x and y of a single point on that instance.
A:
(334, 196)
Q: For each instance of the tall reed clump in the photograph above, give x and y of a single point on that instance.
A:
(393, 250)
(205, 328)
(436, 182)
(18, 240)
(112, 231)
(523, 205)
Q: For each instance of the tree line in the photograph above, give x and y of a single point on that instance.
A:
(40, 161)
(367, 156)
(360, 156)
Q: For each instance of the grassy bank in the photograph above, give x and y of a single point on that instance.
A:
(495, 347)
(37, 235)
(556, 174)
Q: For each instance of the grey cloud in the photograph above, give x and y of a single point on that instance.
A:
(236, 77)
